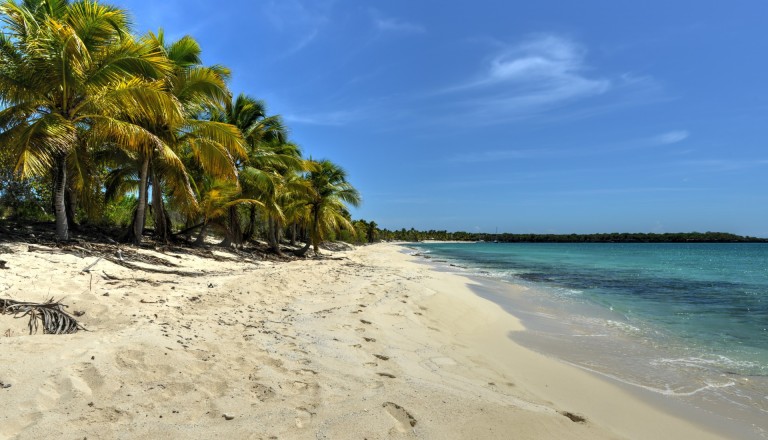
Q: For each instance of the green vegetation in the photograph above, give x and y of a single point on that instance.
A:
(680, 237)
(99, 126)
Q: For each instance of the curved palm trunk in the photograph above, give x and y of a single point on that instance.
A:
(201, 235)
(301, 252)
(234, 234)
(136, 230)
(59, 197)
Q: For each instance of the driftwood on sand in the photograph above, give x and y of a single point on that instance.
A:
(50, 314)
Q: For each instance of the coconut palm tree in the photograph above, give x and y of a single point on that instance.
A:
(325, 202)
(211, 145)
(263, 174)
(217, 198)
(72, 75)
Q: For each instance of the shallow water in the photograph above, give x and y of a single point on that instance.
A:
(689, 321)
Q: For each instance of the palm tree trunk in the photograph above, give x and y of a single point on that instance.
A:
(141, 209)
(233, 235)
(270, 234)
(251, 229)
(234, 227)
(201, 235)
(59, 190)
(301, 252)
(316, 232)
(70, 199)
(274, 236)
(160, 216)
(293, 234)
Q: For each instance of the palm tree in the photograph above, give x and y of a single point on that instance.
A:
(264, 173)
(72, 75)
(212, 146)
(325, 201)
(217, 198)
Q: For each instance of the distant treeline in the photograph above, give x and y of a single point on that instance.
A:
(615, 237)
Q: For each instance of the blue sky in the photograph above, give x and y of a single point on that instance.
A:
(545, 117)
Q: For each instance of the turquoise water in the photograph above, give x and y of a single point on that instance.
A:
(687, 320)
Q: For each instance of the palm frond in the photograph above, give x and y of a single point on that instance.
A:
(133, 99)
(184, 52)
(50, 315)
(200, 87)
(214, 145)
(36, 143)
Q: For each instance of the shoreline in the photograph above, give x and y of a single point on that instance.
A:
(371, 343)
(585, 335)
(702, 415)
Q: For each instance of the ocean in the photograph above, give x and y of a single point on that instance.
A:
(685, 321)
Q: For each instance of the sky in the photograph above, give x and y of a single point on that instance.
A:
(526, 117)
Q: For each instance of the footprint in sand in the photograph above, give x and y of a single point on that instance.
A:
(576, 418)
(262, 392)
(303, 417)
(404, 418)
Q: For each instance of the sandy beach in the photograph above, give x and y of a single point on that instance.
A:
(366, 343)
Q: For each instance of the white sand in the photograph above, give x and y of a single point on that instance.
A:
(373, 345)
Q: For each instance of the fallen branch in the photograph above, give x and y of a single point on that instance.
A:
(88, 268)
(153, 270)
(51, 315)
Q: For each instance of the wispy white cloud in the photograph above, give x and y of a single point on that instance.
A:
(540, 70)
(616, 147)
(723, 165)
(400, 26)
(631, 190)
(395, 25)
(331, 118)
(504, 155)
(301, 21)
(528, 79)
(671, 137)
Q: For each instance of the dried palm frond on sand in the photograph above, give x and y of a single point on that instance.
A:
(51, 315)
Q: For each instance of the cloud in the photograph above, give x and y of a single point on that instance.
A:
(621, 147)
(300, 21)
(505, 155)
(332, 118)
(544, 65)
(723, 165)
(671, 137)
(394, 25)
(621, 191)
(398, 26)
(531, 76)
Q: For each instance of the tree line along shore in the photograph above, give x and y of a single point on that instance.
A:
(615, 237)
